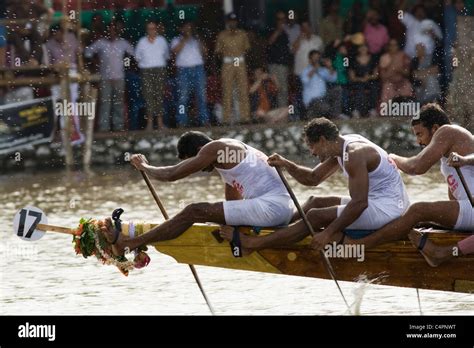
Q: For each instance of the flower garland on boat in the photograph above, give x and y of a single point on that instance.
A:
(88, 241)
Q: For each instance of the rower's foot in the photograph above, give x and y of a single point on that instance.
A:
(247, 242)
(433, 254)
(108, 231)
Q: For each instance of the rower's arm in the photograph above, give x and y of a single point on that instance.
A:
(431, 154)
(231, 193)
(450, 195)
(358, 173)
(205, 157)
(469, 160)
(313, 177)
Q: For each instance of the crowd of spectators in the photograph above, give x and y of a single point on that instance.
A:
(346, 69)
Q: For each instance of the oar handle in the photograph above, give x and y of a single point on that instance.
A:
(295, 201)
(326, 262)
(166, 216)
(464, 184)
(155, 195)
(52, 228)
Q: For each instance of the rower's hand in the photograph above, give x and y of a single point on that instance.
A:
(320, 240)
(456, 160)
(139, 161)
(276, 160)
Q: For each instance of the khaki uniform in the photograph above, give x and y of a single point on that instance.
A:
(231, 46)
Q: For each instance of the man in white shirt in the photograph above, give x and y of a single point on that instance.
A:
(191, 75)
(413, 23)
(111, 51)
(314, 79)
(292, 29)
(306, 42)
(152, 53)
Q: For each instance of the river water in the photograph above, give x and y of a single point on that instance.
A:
(46, 277)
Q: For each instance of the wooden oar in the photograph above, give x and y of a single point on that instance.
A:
(464, 184)
(52, 228)
(165, 215)
(326, 262)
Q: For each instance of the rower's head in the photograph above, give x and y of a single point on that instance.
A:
(321, 136)
(430, 119)
(190, 143)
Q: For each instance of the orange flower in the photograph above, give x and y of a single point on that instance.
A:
(79, 230)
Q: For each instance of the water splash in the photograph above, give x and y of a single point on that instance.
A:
(360, 290)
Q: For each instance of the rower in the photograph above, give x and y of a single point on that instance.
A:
(255, 195)
(453, 146)
(377, 192)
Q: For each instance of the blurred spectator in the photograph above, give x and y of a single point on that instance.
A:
(3, 36)
(292, 29)
(427, 36)
(257, 54)
(452, 10)
(314, 78)
(152, 53)
(363, 76)
(263, 95)
(279, 57)
(396, 29)
(340, 63)
(306, 42)
(331, 25)
(111, 50)
(63, 49)
(376, 34)
(213, 92)
(354, 19)
(97, 29)
(25, 38)
(425, 75)
(413, 23)
(394, 70)
(191, 76)
(135, 100)
(232, 44)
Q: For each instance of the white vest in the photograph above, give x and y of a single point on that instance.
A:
(454, 182)
(385, 182)
(253, 177)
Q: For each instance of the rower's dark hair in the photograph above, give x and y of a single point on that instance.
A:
(319, 127)
(190, 143)
(431, 114)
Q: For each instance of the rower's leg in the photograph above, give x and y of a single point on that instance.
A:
(444, 213)
(297, 231)
(174, 227)
(317, 202)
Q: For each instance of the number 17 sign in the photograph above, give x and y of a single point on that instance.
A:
(25, 222)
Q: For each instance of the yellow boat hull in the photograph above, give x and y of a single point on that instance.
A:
(397, 264)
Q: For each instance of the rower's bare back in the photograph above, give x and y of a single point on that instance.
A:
(462, 140)
(229, 148)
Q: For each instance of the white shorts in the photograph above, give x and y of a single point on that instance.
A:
(376, 215)
(266, 211)
(465, 220)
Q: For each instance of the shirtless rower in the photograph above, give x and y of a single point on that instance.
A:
(377, 192)
(443, 142)
(254, 193)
